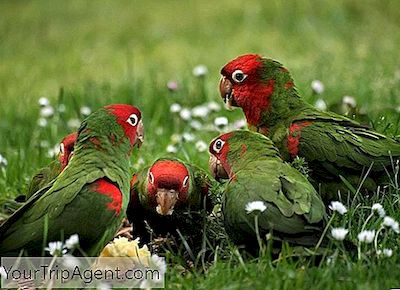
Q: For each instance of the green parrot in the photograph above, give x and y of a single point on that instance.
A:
(42, 178)
(48, 173)
(91, 194)
(168, 195)
(261, 183)
(335, 147)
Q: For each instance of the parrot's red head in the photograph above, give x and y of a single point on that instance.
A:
(248, 82)
(67, 149)
(130, 118)
(168, 183)
(218, 163)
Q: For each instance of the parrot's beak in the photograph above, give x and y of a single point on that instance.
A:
(139, 134)
(227, 93)
(216, 169)
(166, 200)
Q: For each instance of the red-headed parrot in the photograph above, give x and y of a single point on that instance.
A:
(48, 173)
(43, 177)
(91, 194)
(331, 144)
(261, 183)
(168, 195)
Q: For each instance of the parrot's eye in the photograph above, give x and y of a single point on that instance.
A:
(238, 76)
(185, 181)
(133, 120)
(62, 149)
(218, 144)
(151, 178)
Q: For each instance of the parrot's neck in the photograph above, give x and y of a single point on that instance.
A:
(283, 107)
(267, 152)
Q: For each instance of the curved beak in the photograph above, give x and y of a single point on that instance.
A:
(166, 200)
(140, 134)
(227, 93)
(216, 169)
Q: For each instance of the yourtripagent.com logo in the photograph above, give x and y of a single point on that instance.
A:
(89, 272)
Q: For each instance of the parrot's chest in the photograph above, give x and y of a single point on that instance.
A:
(238, 225)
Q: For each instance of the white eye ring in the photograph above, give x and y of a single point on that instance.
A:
(238, 76)
(62, 149)
(133, 120)
(151, 178)
(186, 181)
(218, 144)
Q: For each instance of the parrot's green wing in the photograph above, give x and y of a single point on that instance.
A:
(21, 210)
(338, 143)
(292, 203)
(43, 177)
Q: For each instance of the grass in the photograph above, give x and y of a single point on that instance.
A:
(92, 53)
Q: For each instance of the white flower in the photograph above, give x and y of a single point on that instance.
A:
(54, 151)
(47, 111)
(140, 161)
(3, 272)
(391, 223)
(70, 261)
(378, 208)
(172, 85)
(42, 122)
(201, 146)
(239, 124)
(200, 70)
(3, 161)
(85, 111)
(43, 102)
(255, 206)
(366, 236)
(176, 138)
(61, 108)
(55, 248)
(385, 252)
(200, 111)
(189, 137)
(172, 149)
(175, 108)
(388, 252)
(196, 124)
(44, 144)
(213, 106)
(317, 86)
(185, 114)
(103, 286)
(159, 131)
(221, 121)
(339, 233)
(73, 123)
(321, 105)
(338, 206)
(158, 263)
(350, 101)
(72, 241)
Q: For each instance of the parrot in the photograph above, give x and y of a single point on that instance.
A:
(261, 184)
(89, 197)
(46, 174)
(167, 195)
(336, 148)
(43, 177)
